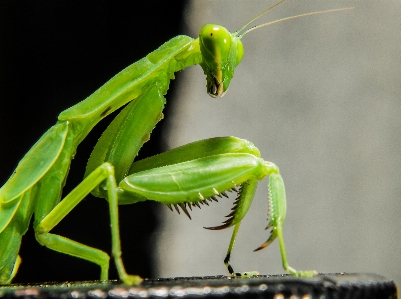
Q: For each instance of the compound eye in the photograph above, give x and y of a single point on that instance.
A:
(215, 43)
(240, 52)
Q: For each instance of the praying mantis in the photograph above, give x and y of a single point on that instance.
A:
(181, 178)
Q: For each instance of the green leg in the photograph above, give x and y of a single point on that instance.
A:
(277, 213)
(227, 258)
(286, 266)
(248, 191)
(105, 172)
(67, 246)
(277, 217)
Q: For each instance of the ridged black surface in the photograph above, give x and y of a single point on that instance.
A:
(274, 286)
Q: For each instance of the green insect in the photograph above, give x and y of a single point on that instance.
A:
(184, 177)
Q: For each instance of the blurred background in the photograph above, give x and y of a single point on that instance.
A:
(319, 96)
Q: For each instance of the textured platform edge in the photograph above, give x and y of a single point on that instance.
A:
(338, 285)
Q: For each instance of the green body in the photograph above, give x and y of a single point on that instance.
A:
(183, 177)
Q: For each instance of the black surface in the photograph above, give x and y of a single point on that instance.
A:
(276, 286)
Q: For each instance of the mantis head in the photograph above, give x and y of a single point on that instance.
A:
(222, 51)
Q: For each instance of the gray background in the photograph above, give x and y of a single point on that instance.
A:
(320, 97)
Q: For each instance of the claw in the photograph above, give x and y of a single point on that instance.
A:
(219, 227)
(272, 237)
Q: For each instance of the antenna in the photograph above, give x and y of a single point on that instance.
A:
(284, 19)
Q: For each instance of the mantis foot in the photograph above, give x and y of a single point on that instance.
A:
(307, 273)
(132, 280)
